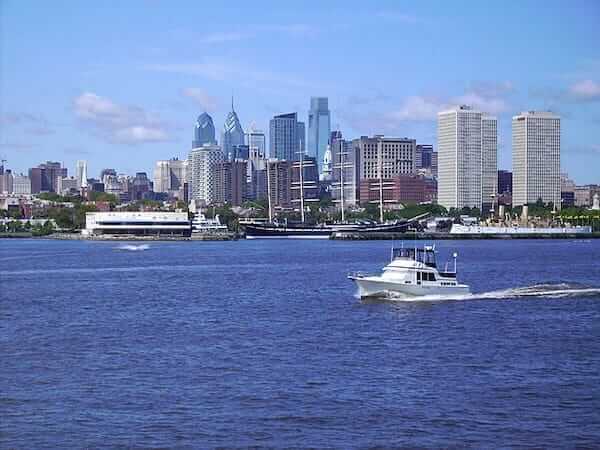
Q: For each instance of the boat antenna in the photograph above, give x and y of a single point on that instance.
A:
(454, 255)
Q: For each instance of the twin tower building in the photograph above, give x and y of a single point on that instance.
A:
(468, 158)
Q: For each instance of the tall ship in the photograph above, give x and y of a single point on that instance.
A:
(299, 230)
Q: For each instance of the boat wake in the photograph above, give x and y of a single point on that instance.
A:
(133, 248)
(559, 290)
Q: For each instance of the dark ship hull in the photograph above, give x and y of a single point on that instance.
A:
(324, 231)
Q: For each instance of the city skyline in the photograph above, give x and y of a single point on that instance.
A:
(128, 105)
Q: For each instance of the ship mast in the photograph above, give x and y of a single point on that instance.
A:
(269, 193)
(380, 181)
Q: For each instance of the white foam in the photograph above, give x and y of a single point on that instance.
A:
(133, 248)
(560, 290)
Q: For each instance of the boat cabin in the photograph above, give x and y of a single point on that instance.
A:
(425, 255)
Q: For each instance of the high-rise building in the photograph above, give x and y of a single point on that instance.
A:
(44, 178)
(536, 158)
(170, 176)
(489, 161)
(286, 137)
(279, 180)
(81, 173)
(230, 182)
(256, 141)
(6, 181)
(21, 185)
(204, 131)
(385, 157)
(202, 164)
(467, 147)
(139, 188)
(504, 182)
(319, 129)
(301, 138)
(232, 135)
(68, 185)
(104, 173)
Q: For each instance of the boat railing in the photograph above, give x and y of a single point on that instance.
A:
(359, 274)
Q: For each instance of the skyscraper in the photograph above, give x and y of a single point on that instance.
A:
(319, 128)
(285, 137)
(170, 176)
(467, 146)
(232, 135)
(202, 166)
(536, 158)
(489, 161)
(81, 173)
(204, 131)
(44, 178)
(256, 141)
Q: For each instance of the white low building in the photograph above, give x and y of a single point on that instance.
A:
(153, 223)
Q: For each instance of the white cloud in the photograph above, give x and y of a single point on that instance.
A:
(586, 90)
(418, 108)
(201, 97)
(119, 123)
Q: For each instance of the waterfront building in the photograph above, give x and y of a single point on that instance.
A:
(385, 157)
(232, 135)
(44, 178)
(467, 156)
(567, 191)
(204, 131)
(81, 174)
(21, 185)
(319, 129)
(155, 223)
(286, 137)
(202, 163)
(536, 158)
(400, 189)
(230, 182)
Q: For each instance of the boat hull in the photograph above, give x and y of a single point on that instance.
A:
(375, 287)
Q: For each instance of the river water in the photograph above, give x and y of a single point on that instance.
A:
(264, 344)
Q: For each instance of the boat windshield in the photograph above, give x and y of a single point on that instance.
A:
(423, 255)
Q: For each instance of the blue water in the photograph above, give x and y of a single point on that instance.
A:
(264, 344)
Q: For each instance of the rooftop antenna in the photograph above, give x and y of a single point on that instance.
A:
(232, 103)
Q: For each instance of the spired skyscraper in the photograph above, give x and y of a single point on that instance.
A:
(204, 131)
(319, 129)
(232, 135)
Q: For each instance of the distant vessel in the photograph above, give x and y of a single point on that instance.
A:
(477, 229)
(201, 224)
(289, 230)
(411, 272)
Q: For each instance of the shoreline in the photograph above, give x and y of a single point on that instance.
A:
(337, 236)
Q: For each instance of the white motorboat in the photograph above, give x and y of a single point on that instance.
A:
(411, 272)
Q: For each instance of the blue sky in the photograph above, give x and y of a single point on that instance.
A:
(121, 83)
